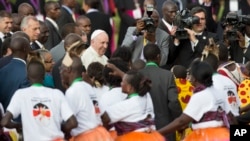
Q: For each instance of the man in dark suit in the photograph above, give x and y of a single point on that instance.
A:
(5, 27)
(184, 51)
(53, 12)
(5, 60)
(96, 17)
(163, 91)
(20, 47)
(31, 26)
(136, 40)
(69, 40)
(169, 11)
(67, 13)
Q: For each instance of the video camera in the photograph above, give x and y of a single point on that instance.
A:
(183, 20)
(148, 21)
(238, 22)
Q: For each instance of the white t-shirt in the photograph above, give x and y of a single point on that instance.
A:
(203, 102)
(90, 55)
(110, 98)
(78, 96)
(133, 109)
(43, 110)
(100, 91)
(229, 91)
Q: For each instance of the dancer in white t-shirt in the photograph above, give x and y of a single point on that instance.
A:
(78, 96)
(133, 117)
(207, 108)
(42, 109)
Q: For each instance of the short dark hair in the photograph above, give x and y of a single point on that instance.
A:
(137, 80)
(115, 80)
(198, 9)
(93, 3)
(67, 29)
(151, 51)
(202, 72)
(38, 72)
(4, 13)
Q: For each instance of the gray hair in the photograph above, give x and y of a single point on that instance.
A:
(26, 20)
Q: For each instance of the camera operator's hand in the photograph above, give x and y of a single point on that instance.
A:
(191, 34)
(139, 25)
(172, 32)
(241, 39)
(150, 36)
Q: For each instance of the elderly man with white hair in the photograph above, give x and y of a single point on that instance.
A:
(98, 46)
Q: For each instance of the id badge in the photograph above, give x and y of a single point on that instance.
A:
(137, 13)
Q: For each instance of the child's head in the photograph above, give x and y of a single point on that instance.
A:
(179, 71)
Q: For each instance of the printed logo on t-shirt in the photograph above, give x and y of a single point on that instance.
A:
(41, 111)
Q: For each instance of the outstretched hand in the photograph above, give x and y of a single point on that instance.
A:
(115, 71)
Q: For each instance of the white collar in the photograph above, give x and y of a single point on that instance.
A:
(39, 44)
(1, 36)
(52, 22)
(92, 10)
(167, 24)
(198, 33)
(20, 60)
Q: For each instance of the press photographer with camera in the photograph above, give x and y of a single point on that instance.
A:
(189, 42)
(147, 31)
(237, 36)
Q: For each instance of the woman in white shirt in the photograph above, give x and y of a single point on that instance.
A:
(206, 110)
(133, 117)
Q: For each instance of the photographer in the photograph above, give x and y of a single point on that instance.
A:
(185, 50)
(147, 31)
(237, 37)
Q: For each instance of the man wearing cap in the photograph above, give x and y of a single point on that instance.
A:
(98, 46)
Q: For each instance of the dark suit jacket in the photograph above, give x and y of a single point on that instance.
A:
(164, 97)
(13, 76)
(101, 21)
(163, 27)
(54, 36)
(56, 76)
(5, 60)
(35, 46)
(65, 18)
(183, 53)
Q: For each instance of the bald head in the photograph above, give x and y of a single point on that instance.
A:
(20, 34)
(36, 71)
(169, 11)
(25, 9)
(70, 39)
(20, 47)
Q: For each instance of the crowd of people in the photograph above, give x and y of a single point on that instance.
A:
(178, 71)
